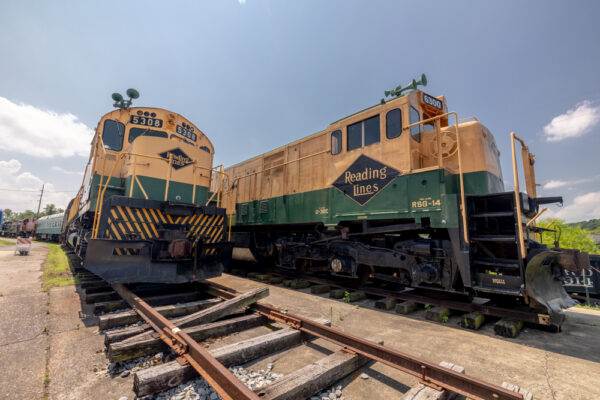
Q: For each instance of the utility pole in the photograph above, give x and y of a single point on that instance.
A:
(40, 202)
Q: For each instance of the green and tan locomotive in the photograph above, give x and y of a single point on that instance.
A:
(144, 212)
(404, 192)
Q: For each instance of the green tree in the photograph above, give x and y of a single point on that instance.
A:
(7, 214)
(49, 210)
(569, 236)
(25, 214)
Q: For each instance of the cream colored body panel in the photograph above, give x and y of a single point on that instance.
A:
(307, 164)
(141, 157)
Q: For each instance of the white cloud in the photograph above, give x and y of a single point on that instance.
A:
(555, 184)
(65, 171)
(20, 191)
(583, 208)
(41, 133)
(574, 122)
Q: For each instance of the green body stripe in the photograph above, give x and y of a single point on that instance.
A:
(431, 194)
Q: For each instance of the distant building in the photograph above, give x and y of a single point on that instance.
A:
(595, 237)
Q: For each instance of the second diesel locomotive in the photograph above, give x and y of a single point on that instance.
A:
(407, 193)
(144, 212)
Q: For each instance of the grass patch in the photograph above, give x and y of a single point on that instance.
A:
(6, 243)
(588, 307)
(56, 269)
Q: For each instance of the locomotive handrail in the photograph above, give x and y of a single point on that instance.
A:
(282, 164)
(221, 186)
(437, 119)
(102, 189)
(529, 182)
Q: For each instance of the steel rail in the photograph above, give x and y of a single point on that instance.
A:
(493, 311)
(216, 374)
(430, 374)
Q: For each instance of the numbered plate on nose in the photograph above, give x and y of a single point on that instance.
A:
(432, 101)
(155, 122)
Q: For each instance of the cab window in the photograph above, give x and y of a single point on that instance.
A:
(336, 142)
(428, 126)
(415, 131)
(206, 149)
(363, 133)
(112, 135)
(393, 123)
(136, 132)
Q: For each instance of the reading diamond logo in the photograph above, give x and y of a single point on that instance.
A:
(366, 177)
(180, 159)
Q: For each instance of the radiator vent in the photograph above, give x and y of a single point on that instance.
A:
(264, 207)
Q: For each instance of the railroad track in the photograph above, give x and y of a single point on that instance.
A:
(143, 321)
(474, 313)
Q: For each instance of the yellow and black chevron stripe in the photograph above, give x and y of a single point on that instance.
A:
(131, 223)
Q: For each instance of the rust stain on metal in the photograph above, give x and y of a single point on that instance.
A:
(431, 374)
(216, 374)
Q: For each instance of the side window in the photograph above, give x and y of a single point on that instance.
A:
(415, 131)
(372, 130)
(428, 126)
(336, 142)
(112, 135)
(354, 136)
(206, 149)
(363, 133)
(393, 123)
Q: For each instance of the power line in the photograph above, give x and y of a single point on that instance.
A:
(37, 191)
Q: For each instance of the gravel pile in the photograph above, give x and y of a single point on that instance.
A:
(333, 393)
(127, 367)
(116, 328)
(113, 311)
(200, 390)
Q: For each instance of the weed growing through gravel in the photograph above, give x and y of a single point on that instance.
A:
(56, 269)
(347, 296)
(46, 378)
(589, 307)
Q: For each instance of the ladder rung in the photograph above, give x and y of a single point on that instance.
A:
(493, 214)
(494, 238)
(497, 263)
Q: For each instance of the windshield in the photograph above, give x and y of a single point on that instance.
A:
(136, 132)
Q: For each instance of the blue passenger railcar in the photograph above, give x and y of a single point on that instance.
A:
(49, 227)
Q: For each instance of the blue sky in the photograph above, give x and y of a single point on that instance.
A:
(257, 74)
